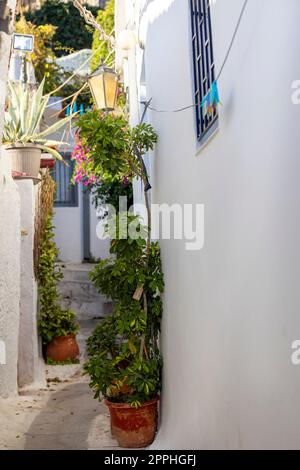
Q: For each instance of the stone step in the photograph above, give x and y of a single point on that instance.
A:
(79, 294)
(87, 310)
(76, 272)
(81, 290)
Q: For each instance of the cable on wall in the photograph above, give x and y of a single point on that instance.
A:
(214, 85)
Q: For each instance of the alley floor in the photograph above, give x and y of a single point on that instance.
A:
(63, 415)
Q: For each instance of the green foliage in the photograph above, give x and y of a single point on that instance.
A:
(106, 18)
(53, 320)
(72, 34)
(24, 115)
(124, 359)
(109, 192)
(113, 145)
(67, 362)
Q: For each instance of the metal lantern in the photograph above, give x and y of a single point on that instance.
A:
(104, 86)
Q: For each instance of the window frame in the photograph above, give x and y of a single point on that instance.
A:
(202, 62)
(73, 202)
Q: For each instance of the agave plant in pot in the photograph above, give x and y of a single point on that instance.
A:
(124, 358)
(22, 136)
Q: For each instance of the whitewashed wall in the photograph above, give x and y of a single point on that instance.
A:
(99, 247)
(10, 243)
(69, 231)
(231, 311)
(10, 234)
(31, 368)
(69, 228)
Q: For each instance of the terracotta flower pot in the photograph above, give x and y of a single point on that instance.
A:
(63, 348)
(25, 158)
(133, 427)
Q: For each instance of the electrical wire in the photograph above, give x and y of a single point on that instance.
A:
(179, 110)
(233, 38)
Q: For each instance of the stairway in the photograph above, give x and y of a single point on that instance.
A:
(78, 293)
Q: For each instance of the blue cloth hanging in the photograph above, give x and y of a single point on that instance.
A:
(211, 100)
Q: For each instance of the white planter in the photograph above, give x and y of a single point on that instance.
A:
(25, 158)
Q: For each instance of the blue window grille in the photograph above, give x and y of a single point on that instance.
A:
(66, 192)
(204, 66)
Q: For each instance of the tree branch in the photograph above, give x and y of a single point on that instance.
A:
(90, 19)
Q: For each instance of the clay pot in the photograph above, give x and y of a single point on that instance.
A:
(133, 427)
(63, 348)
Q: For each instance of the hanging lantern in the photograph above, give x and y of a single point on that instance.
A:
(103, 84)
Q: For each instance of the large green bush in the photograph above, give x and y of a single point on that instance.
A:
(124, 358)
(113, 145)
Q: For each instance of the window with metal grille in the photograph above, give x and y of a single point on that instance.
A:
(66, 192)
(204, 66)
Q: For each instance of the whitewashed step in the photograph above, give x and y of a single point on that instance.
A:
(78, 293)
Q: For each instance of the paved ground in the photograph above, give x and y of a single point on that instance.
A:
(62, 416)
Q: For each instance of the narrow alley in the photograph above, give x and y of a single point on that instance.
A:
(63, 415)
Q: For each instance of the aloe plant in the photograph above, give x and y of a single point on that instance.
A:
(23, 118)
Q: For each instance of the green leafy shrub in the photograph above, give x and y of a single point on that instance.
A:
(124, 358)
(113, 145)
(53, 320)
(109, 193)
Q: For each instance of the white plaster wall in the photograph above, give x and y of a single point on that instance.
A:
(231, 311)
(10, 234)
(68, 231)
(31, 370)
(99, 247)
(68, 222)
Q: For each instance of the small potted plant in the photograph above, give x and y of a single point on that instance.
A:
(56, 326)
(22, 136)
(124, 358)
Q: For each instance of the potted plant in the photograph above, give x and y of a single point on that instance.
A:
(124, 358)
(22, 136)
(56, 326)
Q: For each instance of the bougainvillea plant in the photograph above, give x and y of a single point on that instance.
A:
(84, 171)
(109, 146)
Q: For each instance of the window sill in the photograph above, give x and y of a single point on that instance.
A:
(207, 138)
